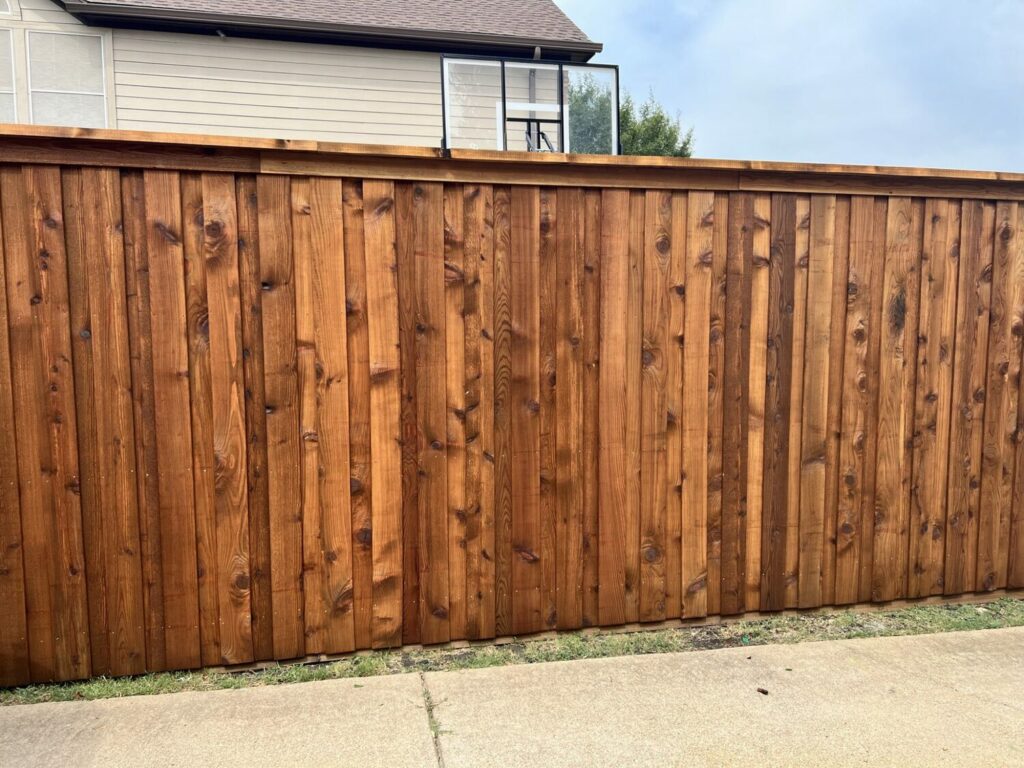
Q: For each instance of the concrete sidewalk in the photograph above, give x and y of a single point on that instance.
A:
(952, 699)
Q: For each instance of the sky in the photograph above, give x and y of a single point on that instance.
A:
(937, 83)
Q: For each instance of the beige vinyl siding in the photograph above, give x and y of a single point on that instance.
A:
(207, 84)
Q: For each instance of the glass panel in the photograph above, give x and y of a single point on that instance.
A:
(6, 62)
(66, 62)
(73, 109)
(533, 136)
(8, 114)
(5, 7)
(473, 111)
(590, 104)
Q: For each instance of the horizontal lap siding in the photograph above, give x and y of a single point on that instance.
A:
(260, 417)
(204, 84)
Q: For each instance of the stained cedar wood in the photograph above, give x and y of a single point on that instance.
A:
(14, 667)
(868, 505)
(314, 611)
(257, 487)
(837, 355)
(281, 392)
(320, 290)
(1015, 567)
(735, 397)
(654, 420)
(759, 302)
(173, 434)
(197, 323)
(385, 416)
(860, 324)
(455, 416)
(674, 398)
(801, 256)
(85, 406)
(220, 250)
(525, 407)
(114, 420)
(144, 414)
(408, 333)
(816, 405)
(569, 392)
(428, 255)
(634, 352)
(695, 419)
(716, 416)
(502, 411)
(898, 364)
(612, 394)
(1000, 441)
(969, 396)
(357, 346)
(591, 402)
(778, 391)
(940, 257)
(479, 346)
(548, 506)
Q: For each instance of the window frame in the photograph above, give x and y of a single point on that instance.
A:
(103, 72)
(14, 75)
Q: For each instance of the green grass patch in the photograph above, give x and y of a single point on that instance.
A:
(836, 625)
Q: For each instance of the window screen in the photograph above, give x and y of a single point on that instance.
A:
(8, 111)
(66, 79)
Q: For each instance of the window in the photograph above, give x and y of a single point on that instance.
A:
(5, 7)
(8, 109)
(66, 79)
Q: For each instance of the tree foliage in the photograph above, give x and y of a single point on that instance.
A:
(644, 129)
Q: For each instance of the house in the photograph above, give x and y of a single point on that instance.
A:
(455, 73)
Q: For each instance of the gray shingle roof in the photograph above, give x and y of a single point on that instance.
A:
(522, 20)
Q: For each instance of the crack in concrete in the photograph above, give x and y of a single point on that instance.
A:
(435, 726)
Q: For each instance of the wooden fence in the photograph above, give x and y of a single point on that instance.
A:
(265, 400)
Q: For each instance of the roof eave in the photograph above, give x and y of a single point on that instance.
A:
(100, 13)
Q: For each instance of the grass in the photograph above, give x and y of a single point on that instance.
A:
(913, 620)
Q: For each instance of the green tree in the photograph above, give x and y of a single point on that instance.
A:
(648, 129)
(644, 129)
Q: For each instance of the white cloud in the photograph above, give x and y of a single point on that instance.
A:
(907, 82)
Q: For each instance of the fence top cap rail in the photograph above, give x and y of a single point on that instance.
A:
(326, 151)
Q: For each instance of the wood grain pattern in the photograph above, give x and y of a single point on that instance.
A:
(969, 396)
(700, 223)
(258, 417)
(940, 258)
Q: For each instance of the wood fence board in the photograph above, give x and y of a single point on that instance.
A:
(896, 374)
(1015, 566)
(674, 399)
(716, 404)
(453, 218)
(700, 242)
(940, 257)
(1000, 431)
(503, 587)
(550, 225)
(173, 421)
(281, 393)
(569, 391)
(137, 296)
(654, 419)
(385, 414)
(357, 347)
(480, 460)
(612, 393)
(634, 353)
(257, 481)
(14, 651)
(591, 334)
(524, 279)
(817, 378)
(759, 301)
(200, 394)
(969, 396)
